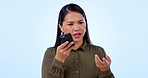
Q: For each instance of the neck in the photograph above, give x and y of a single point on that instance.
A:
(78, 44)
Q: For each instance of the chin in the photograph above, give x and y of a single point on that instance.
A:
(78, 40)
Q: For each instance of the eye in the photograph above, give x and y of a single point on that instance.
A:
(81, 22)
(70, 24)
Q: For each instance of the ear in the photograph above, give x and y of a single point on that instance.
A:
(61, 28)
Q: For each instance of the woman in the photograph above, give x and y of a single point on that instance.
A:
(83, 60)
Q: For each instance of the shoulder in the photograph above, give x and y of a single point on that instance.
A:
(50, 51)
(98, 50)
(96, 47)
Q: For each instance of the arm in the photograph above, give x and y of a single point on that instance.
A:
(52, 68)
(106, 74)
(103, 62)
(53, 62)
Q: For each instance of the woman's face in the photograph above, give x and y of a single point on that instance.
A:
(75, 24)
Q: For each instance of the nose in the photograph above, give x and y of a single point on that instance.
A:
(76, 28)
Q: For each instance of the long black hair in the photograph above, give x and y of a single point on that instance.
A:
(70, 8)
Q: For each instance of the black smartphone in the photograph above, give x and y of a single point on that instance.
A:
(66, 37)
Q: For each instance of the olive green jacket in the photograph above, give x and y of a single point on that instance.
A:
(79, 64)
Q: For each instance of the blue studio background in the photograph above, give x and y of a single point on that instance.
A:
(28, 28)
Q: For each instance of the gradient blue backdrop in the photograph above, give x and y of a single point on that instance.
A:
(28, 28)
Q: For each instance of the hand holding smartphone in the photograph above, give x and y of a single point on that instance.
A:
(66, 37)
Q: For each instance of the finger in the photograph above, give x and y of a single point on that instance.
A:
(105, 61)
(97, 60)
(69, 45)
(68, 51)
(74, 47)
(108, 59)
(63, 44)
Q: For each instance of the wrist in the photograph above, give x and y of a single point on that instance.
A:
(59, 59)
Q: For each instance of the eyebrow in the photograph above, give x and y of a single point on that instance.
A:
(73, 21)
(81, 20)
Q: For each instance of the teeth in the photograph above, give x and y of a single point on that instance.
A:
(77, 34)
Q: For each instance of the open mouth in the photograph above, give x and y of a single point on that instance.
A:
(76, 35)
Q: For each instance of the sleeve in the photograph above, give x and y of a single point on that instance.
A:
(107, 74)
(52, 68)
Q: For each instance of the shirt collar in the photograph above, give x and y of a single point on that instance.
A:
(84, 46)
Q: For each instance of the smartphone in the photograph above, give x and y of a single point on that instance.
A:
(66, 37)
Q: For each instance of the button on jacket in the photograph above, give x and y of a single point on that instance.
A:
(79, 64)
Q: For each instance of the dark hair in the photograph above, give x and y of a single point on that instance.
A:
(68, 8)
